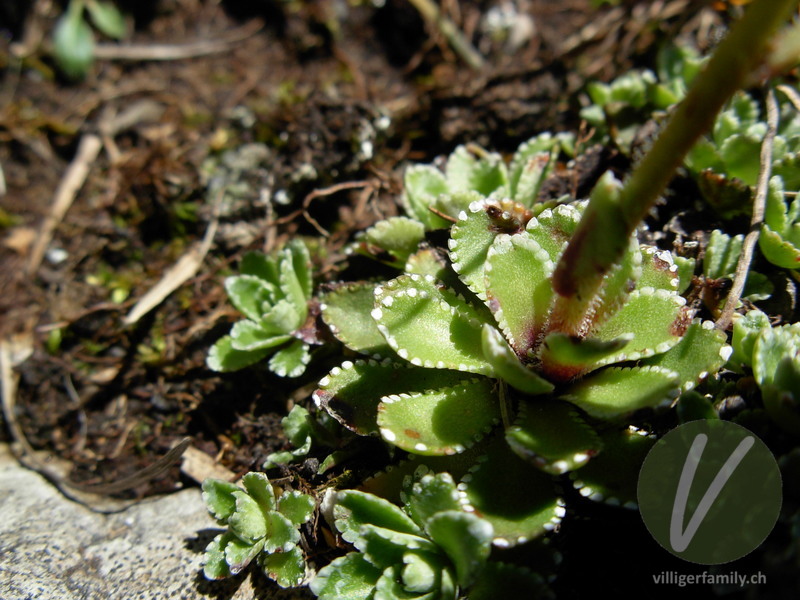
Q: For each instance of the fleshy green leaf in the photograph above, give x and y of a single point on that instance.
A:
(218, 496)
(618, 392)
(301, 266)
(530, 165)
(518, 288)
(239, 554)
(465, 538)
(214, 564)
(294, 276)
(611, 477)
(260, 489)
(553, 437)
(619, 282)
(722, 255)
(476, 170)
(296, 507)
(692, 406)
(470, 240)
(507, 365)
(399, 236)
(248, 336)
(288, 569)
(107, 18)
(73, 44)
(428, 326)
(553, 228)
(430, 494)
(247, 522)
(250, 295)
(284, 317)
(423, 185)
(346, 310)
(701, 350)
(223, 357)
(654, 318)
(283, 534)
(262, 267)
(290, 361)
(351, 393)
(350, 577)
(353, 509)
(564, 357)
(443, 421)
(778, 251)
(515, 497)
(745, 332)
(386, 547)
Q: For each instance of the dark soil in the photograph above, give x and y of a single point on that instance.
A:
(309, 80)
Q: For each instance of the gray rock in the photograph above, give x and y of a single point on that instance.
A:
(52, 548)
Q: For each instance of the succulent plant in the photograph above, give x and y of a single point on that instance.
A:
(773, 353)
(780, 234)
(447, 339)
(727, 162)
(432, 548)
(259, 526)
(720, 262)
(273, 292)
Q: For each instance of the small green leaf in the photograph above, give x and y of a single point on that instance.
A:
(443, 421)
(223, 357)
(288, 569)
(516, 498)
(218, 496)
(249, 336)
(386, 547)
(612, 476)
(353, 509)
(294, 277)
(722, 255)
(399, 236)
(518, 288)
(301, 266)
(470, 240)
(428, 326)
(239, 554)
(741, 156)
(778, 251)
(283, 534)
(465, 538)
(423, 185)
(261, 267)
(350, 577)
(474, 169)
(617, 392)
(564, 357)
(214, 564)
(250, 294)
(531, 164)
(73, 44)
(346, 310)
(247, 522)
(290, 361)
(430, 494)
(260, 489)
(692, 406)
(296, 506)
(745, 332)
(553, 437)
(507, 365)
(284, 317)
(652, 316)
(701, 350)
(351, 393)
(107, 18)
(420, 574)
(553, 228)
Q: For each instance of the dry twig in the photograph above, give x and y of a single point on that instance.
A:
(762, 188)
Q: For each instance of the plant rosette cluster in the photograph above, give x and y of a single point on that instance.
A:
(773, 354)
(274, 294)
(260, 526)
(430, 549)
(467, 337)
